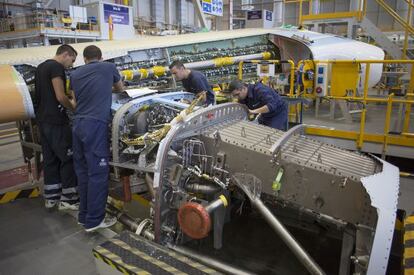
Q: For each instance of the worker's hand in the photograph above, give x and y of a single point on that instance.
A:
(71, 94)
(72, 102)
(253, 112)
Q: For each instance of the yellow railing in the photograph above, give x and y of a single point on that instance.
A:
(331, 15)
(404, 139)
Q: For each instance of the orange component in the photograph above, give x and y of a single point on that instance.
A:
(126, 188)
(194, 220)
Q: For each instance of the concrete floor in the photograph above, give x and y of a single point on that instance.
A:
(36, 241)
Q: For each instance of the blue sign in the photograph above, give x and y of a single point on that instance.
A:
(213, 7)
(120, 15)
(206, 7)
(269, 16)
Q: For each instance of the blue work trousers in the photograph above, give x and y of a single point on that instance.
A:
(278, 121)
(91, 154)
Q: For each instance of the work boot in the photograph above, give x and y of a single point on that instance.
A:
(108, 221)
(67, 206)
(49, 204)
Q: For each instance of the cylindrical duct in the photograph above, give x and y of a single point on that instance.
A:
(15, 101)
(217, 62)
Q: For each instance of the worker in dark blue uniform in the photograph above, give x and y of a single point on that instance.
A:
(92, 85)
(193, 81)
(264, 101)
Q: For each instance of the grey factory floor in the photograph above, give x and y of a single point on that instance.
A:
(35, 241)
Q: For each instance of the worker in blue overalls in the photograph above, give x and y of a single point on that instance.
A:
(263, 101)
(93, 84)
(193, 81)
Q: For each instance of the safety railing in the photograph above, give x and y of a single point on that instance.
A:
(405, 138)
(327, 15)
(38, 21)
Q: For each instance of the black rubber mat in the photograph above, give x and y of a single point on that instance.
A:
(130, 250)
(171, 258)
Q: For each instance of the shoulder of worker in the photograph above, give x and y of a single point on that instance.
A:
(110, 67)
(51, 69)
(197, 74)
(260, 87)
(108, 64)
(51, 64)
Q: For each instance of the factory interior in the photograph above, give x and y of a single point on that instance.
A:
(206, 137)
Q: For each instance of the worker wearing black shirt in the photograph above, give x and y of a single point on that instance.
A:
(193, 81)
(264, 101)
(60, 185)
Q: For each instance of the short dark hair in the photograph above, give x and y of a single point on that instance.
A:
(92, 52)
(66, 48)
(235, 85)
(178, 64)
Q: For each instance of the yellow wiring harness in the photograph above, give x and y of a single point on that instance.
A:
(159, 134)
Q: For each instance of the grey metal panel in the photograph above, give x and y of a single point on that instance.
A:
(300, 149)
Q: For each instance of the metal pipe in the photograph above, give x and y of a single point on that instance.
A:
(221, 201)
(294, 246)
(223, 61)
(220, 266)
(202, 188)
(217, 62)
(287, 238)
(130, 223)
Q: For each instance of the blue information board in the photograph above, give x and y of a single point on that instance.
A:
(213, 7)
(120, 15)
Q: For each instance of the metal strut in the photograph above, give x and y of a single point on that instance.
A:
(251, 186)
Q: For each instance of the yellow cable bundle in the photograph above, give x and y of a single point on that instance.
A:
(158, 70)
(267, 55)
(158, 135)
(223, 61)
(128, 74)
(144, 73)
